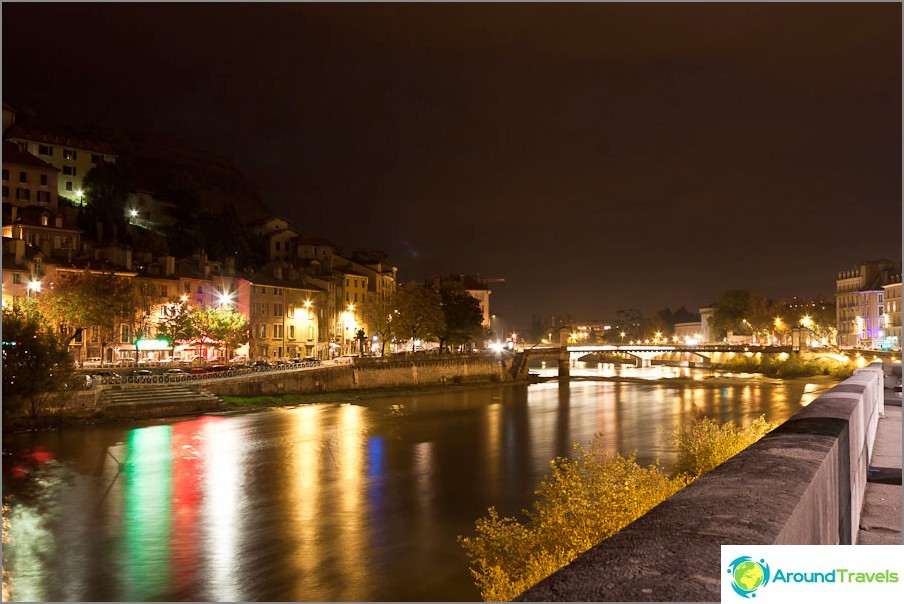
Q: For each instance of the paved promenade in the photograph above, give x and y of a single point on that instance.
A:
(880, 522)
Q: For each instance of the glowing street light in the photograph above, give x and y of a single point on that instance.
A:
(133, 213)
(33, 286)
(225, 298)
(806, 321)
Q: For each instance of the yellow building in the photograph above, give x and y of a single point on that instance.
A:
(284, 317)
(73, 156)
(27, 181)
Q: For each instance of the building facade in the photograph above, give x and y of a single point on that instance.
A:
(893, 313)
(860, 303)
(73, 156)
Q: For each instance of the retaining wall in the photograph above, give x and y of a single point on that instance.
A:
(363, 374)
(801, 484)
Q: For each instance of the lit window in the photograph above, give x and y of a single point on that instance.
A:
(69, 154)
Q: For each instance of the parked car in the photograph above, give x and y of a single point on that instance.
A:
(198, 359)
(124, 362)
(175, 371)
(260, 363)
(198, 370)
(147, 362)
(217, 368)
(143, 372)
(170, 360)
(93, 362)
(217, 360)
(238, 359)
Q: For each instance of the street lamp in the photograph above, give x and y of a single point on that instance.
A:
(225, 298)
(33, 286)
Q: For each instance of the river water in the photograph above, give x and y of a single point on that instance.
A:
(348, 501)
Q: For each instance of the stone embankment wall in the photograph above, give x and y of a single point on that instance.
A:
(365, 373)
(801, 484)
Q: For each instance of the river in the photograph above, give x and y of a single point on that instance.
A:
(356, 501)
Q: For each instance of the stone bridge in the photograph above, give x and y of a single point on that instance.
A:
(643, 355)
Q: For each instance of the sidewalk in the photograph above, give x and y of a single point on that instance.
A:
(880, 521)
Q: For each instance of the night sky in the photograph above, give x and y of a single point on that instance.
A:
(594, 156)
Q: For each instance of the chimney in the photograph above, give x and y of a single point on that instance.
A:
(202, 262)
(230, 265)
(169, 265)
(277, 271)
(206, 268)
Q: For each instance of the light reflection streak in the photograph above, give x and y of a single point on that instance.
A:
(146, 523)
(304, 490)
(27, 543)
(223, 452)
(352, 533)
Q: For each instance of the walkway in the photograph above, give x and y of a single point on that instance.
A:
(880, 521)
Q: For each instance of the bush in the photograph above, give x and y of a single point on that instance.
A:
(706, 444)
(583, 501)
(791, 367)
(586, 500)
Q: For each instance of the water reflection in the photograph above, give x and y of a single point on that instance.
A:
(321, 502)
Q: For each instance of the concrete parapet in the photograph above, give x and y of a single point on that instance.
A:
(801, 484)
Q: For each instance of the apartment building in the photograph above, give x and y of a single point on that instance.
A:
(860, 303)
(72, 155)
(893, 312)
(27, 181)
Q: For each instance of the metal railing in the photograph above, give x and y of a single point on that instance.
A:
(175, 378)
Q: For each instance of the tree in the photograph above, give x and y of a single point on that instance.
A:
(629, 321)
(463, 318)
(106, 187)
(36, 363)
(98, 301)
(176, 322)
(420, 313)
(729, 312)
(382, 318)
(224, 325)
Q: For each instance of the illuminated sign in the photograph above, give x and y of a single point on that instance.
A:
(152, 345)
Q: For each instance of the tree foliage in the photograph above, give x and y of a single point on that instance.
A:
(92, 300)
(224, 324)
(420, 313)
(176, 322)
(36, 363)
(381, 317)
(462, 318)
(106, 187)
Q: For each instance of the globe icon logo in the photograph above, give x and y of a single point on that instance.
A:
(748, 575)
